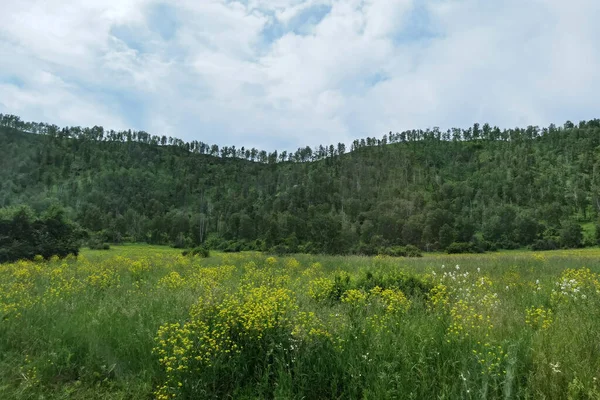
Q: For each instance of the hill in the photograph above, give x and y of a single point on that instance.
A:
(481, 185)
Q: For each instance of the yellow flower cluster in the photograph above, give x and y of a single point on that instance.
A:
(221, 328)
(539, 317)
(393, 300)
(468, 320)
(439, 298)
(171, 281)
(309, 327)
(355, 297)
(139, 268)
(268, 275)
(271, 261)
(315, 269)
(320, 288)
(104, 278)
(14, 297)
(212, 277)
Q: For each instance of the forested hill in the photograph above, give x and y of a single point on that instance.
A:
(483, 185)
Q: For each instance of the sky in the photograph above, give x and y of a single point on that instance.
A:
(280, 74)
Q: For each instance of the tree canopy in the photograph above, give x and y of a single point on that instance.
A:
(482, 185)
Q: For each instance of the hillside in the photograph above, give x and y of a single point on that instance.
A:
(427, 188)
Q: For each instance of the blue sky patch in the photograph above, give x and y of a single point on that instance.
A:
(130, 37)
(12, 80)
(374, 79)
(417, 27)
(162, 19)
(301, 24)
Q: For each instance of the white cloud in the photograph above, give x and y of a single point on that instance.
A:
(363, 68)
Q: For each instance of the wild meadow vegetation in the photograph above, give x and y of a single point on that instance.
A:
(140, 322)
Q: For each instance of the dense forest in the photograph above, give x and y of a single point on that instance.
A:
(462, 189)
(24, 235)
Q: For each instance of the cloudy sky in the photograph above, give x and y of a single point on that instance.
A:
(278, 74)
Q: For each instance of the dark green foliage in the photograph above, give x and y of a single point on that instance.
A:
(428, 189)
(571, 235)
(200, 251)
(447, 235)
(341, 284)
(280, 250)
(23, 235)
(99, 241)
(460, 247)
(545, 244)
(98, 246)
(412, 251)
(550, 240)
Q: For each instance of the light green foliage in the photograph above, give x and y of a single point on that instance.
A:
(141, 322)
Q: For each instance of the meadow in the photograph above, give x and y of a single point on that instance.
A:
(142, 322)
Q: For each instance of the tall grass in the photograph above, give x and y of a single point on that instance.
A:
(139, 322)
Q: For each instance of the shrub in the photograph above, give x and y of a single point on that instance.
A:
(571, 235)
(280, 250)
(413, 251)
(306, 248)
(182, 241)
(96, 243)
(409, 284)
(23, 235)
(366, 249)
(544, 244)
(401, 251)
(99, 246)
(232, 247)
(508, 244)
(459, 247)
(199, 251)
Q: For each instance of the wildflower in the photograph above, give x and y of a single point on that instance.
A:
(539, 317)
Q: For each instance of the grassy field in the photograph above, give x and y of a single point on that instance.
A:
(141, 322)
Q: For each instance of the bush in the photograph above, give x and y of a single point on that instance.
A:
(508, 244)
(544, 244)
(213, 241)
(23, 235)
(280, 250)
(365, 249)
(97, 243)
(306, 248)
(459, 248)
(571, 235)
(199, 251)
(232, 247)
(412, 251)
(408, 284)
(181, 242)
(396, 251)
(99, 246)
(400, 251)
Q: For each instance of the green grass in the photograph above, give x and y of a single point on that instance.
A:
(303, 327)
